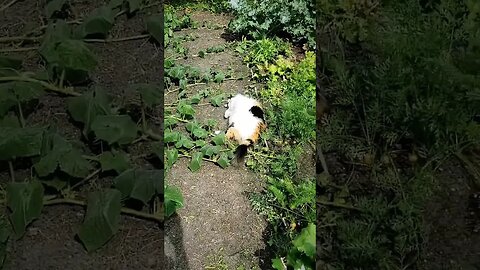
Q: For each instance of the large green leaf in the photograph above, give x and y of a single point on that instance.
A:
(196, 162)
(133, 5)
(115, 160)
(87, 107)
(100, 21)
(57, 151)
(139, 184)
(305, 241)
(25, 201)
(173, 200)
(115, 128)
(20, 142)
(10, 62)
(150, 93)
(74, 54)
(172, 157)
(53, 6)
(102, 218)
(155, 27)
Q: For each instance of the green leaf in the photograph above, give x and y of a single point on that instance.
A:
(184, 141)
(102, 218)
(201, 54)
(20, 142)
(223, 161)
(173, 200)
(10, 62)
(209, 150)
(55, 183)
(199, 133)
(115, 128)
(53, 6)
(172, 157)
(171, 137)
(26, 91)
(154, 25)
(25, 201)
(74, 164)
(185, 109)
(115, 3)
(59, 152)
(219, 77)
(196, 99)
(88, 106)
(217, 100)
(219, 139)
(115, 160)
(278, 265)
(305, 241)
(74, 54)
(200, 143)
(138, 184)
(196, 162)
(150, 93)
(10, 121)
(100, 21)
(133, 5)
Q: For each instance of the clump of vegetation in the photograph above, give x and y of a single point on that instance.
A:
(260, 19)
(404, 79)
(288, 202)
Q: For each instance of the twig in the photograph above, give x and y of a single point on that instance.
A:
(12, 171)
(19, 38)
(116, 39)
(153, 135)
(8, 5)
(19, 49)
(84, 180)
(48, 86)
(128, 211)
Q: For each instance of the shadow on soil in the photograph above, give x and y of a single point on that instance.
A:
(176, 258)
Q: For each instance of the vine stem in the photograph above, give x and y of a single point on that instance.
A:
(12, 171)
(8, 5)
(127, 211)
(189, 156)
(116, 39)
(84, 180)
(48, 86)
(153, 135)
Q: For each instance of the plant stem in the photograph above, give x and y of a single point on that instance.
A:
(19, 38)
(153, 135)
(116, 39)
(12, 171)
(189, 156)
(83, 181)
(18, 49)
(8, 5)
(48, 86)
(20, 114)
(128, 211)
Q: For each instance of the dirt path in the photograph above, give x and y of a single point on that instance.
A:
(217, 228)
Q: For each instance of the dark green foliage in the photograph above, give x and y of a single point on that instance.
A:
(399, 75)
(266, 18)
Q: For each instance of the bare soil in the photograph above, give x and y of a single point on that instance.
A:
(217, 228)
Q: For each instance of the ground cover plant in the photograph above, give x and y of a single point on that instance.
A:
(402, 78)
(280, 159)
(105, 156)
